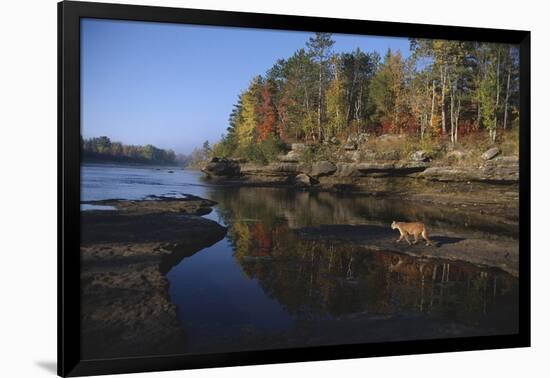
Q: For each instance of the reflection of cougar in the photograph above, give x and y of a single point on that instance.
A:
(411, 228)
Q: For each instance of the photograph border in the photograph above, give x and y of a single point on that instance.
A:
(69, 294)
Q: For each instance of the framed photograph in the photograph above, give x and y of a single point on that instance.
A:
(239, 188)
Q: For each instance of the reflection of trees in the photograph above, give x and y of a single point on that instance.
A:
(314, 279)
(300, 209)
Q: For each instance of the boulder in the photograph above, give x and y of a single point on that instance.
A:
(378, 168)
(490, 153)
(502, 168)
(322, 168)
(347, 170)
(222, 167)
(419, 156)
(291, 157)
(303, 180)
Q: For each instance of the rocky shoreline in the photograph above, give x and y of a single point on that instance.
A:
(125, 254)
(487, 185)
(356, 171)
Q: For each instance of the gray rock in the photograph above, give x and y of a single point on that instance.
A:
(347, 170)
(450, 174)
(502, 168)
(291, 157)
(354, 156)
(222, 167)
(390, 155)
(490, 153)
(419, 156)
(303, 180)
(377, 168)
(298, 147)
(322, 168)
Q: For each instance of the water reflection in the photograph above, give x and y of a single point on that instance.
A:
(302, 208)
(322, 291)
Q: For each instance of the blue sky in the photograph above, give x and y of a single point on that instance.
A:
(174, 85)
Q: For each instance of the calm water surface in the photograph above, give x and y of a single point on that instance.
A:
(263, 283)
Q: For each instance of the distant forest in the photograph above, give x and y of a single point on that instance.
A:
(103, 149)
(443, 91)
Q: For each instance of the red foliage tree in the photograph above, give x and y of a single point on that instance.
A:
(267, 115)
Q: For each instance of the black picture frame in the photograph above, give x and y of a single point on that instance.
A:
(69, 15)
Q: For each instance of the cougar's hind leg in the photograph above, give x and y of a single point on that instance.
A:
(426, 238)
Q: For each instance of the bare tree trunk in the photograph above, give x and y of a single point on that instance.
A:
(433, 105)
(452, 115)
(350, 97)
(337, 107)
(456, 120)
(320, 95)
(507, 97)
(494, 136)
(358, 104)
(443, 83)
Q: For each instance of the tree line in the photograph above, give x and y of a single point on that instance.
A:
(103, 149)
(443, 89)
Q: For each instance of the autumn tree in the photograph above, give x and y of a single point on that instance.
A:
(388, 91)
(320, 49)
(266, 115)
(335, 101)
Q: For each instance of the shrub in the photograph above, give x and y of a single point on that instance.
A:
(262, 152)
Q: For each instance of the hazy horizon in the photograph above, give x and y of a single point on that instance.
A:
(172, 85)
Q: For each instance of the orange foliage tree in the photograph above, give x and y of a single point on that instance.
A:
(267, 115)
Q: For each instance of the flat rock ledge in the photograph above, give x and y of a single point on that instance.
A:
(502, 253)
(498, 170)
(125, 255)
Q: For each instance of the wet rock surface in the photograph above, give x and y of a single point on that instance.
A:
(124, 256)
(500, 253)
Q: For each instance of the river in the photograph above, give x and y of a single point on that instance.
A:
(265, 285)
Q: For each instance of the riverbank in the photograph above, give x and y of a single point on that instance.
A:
(481, 181)
(125, 255)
